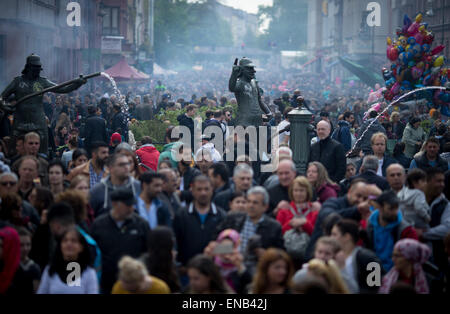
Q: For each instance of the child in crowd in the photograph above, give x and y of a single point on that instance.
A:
(413, 203)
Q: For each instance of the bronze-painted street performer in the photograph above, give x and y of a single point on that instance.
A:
(248, 95)
(29, 115)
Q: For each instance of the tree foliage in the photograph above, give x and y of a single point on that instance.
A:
(288, 24)
(182, 25)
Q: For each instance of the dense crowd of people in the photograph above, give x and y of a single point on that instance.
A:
(139, 220)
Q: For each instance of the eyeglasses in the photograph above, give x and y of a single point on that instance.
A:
(10, 183)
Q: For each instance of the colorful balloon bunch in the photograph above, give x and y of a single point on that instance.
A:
(414, 63)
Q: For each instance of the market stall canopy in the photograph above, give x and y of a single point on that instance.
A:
(365, 74)
(124, 71)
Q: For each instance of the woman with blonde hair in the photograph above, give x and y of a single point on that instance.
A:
(80, 183)
(274, 273)
(302, 213)
(329, 273)
(134, 279)
(323, 187)
(397, 126)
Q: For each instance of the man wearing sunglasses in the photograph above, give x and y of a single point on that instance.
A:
(9, 183)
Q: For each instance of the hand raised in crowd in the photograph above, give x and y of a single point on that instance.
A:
(281, 205)
(315, 206)
(237, 259)
(209, 250)
(364, 210)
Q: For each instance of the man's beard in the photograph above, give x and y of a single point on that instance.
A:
(203, 201)
(100, 163)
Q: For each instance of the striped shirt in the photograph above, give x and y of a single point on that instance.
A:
(248, 231)
(93, 177)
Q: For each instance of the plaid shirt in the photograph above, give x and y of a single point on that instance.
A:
(248, 231)
(93, 177)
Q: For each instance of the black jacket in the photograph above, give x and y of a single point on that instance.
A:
(193, 236)
(269, 229)
(95, 130)
(188, 177)
(222, 199)
(172, 202)
(338, 205)
(387, 161)
(403, 160)
(119, 121)
(222, 188)
(331, 154)
(362, 259)
(188, 122)
(277, 194)
(114, 242)
(372, 178)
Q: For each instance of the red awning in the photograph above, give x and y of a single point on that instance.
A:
(124, 71)
(310, 62)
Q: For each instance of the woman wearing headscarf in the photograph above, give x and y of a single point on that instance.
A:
(408, 256)
(230, 263)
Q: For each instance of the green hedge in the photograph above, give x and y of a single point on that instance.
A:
(156, 128)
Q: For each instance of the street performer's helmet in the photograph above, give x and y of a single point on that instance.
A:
(33, 65)
(245, 62)
(34, 60)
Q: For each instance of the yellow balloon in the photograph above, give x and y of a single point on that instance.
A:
(407, 47)
(419, 18)
(439, 61)
(389, 41)
(422, 28)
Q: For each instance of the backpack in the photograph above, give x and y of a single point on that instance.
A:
(296, 242)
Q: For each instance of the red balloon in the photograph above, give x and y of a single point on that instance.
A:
(393, 54)
(429, 38)
(437, 50)
(388, 96)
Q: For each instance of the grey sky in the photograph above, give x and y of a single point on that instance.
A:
(246, 5)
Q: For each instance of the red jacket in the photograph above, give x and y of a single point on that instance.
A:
(326, 191)
(148, 155)
(284, 216)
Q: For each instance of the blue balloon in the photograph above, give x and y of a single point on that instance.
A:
(406, 84)
(445, 97)
(426, 48)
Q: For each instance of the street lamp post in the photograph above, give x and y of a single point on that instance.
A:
(300, 119)
(443, 22)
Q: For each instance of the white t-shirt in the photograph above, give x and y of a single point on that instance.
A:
(380, 167)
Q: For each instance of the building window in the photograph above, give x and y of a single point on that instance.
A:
(111, 21)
